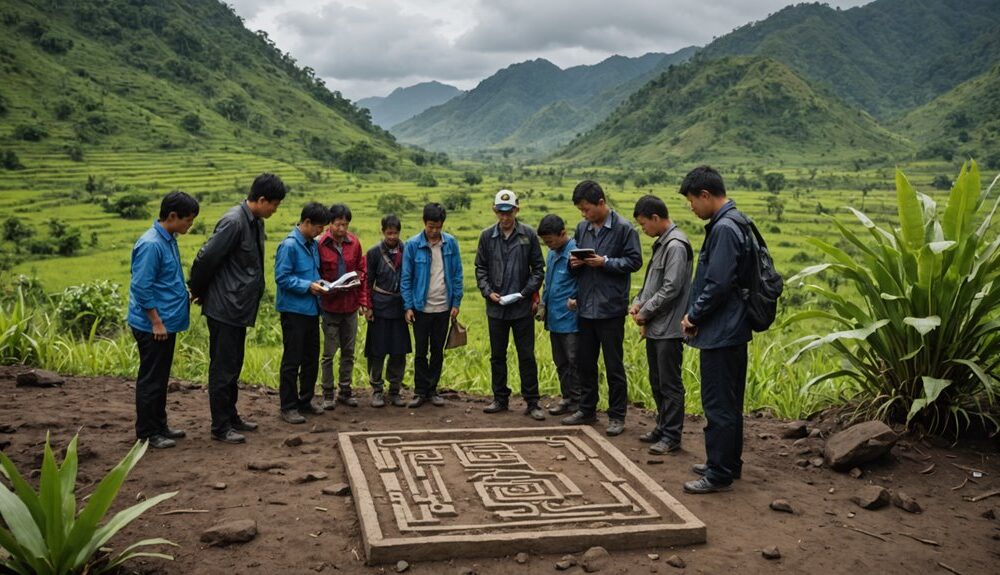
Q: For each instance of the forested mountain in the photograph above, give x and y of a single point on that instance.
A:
(404, 103)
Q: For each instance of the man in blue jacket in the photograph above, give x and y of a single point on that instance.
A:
(716, 323)
(296, 272)
(431, 286)
(603, 279)
(557, 310)
(158, 309)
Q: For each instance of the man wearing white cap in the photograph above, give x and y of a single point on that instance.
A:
(509, 271)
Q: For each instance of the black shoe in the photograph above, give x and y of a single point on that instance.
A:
(495, 407)
(160, 442)
(347, 400)
(230, 436)
(535, 412)
(312, 409)
(173, 433)
(416, 402)
(378, 400)
(437, 400)
(702, 469)
(561, 408)
(245, 426)
(579, 418)
(650, 437)
(703, 486)
(397, 400)
(615, 427)
(292, 416)
(663, 447)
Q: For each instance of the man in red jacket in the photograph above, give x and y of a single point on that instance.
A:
(340, 253)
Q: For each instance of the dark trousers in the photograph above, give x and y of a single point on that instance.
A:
(665, 357)
(394, 371)
(155, 359)
(607, 336)
(430, 330)
(564, 356)
(723, 383)
(524, 342)
(226, 345)
(299, 360)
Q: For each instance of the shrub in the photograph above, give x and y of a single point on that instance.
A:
(45, 535)
(54, 44)
(94, 307)
(10, 161)
(925, 345)
(361, 157)
(14, 230)
(66, 240)
(393, 203)
(472, 178)
(63, 110)
(192, 123)
(74, 152)
(30, 133)
(427, 180)
(457, 200)
(4, 106)
(130, 206)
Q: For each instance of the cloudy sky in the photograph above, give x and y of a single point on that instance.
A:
(368, 47)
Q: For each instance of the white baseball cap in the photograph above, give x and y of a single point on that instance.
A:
(505, 201)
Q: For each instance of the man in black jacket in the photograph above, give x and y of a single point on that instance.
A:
(602, 302)
(509, 271)
(388, 334)
(227, 279)
(716, 323)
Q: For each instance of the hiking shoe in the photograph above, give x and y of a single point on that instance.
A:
(650, 437)
(579, 418)
(615, 427)
(329, 403)
(702, 469)
(663, 447)
(495, 407)
(378, 400)
(535, 412)
(242, 425)
(160, 442)
(312, 409)
(416, 402)
(292, 416)
(229, 436)
(347, 400)
(437, 400)
(703, 486)
(397, 400)
(562, 407)
(173, 433)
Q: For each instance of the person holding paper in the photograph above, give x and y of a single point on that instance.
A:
(296, 272)
(340, 253)
(509, 271)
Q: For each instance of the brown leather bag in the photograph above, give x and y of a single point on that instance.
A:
(457, 335)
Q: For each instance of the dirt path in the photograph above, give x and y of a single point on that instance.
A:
(296, 537)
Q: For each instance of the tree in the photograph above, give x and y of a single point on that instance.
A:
(361, 157)
(130, 206)
(941, 182)
(192, 123)
(394, 203)
(472, 178)
(67, 239)
(427, 180)
(10, 161)
(14, 230)
(775, 182)
(457, 200)
(776, 206)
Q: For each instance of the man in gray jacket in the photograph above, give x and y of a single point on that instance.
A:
(509, 272)
(227, 279)
(658, 310)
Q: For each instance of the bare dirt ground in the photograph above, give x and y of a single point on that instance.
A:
(302, 530)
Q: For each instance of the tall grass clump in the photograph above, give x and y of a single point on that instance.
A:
(922, 338)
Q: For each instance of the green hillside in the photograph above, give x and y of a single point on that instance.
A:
(89, 75)
(964, 122)
(731, 108)
(885, 57)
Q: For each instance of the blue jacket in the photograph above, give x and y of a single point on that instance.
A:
(296, 267)
(158, 283)
(413, 282)
(560, 286)
(716, 307)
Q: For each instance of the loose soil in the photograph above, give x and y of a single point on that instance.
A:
(301, 530)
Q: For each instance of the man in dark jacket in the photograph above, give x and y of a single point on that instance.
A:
(509, 271)
(602, 302)
(716, 323)
(388, 334)
(227, 278)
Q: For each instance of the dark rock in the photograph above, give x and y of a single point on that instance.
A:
(173, 386)
(340, 489)
(265, 465)
(292, 441)
(794, 430)
(781, 505)
(676, 561)
(871, 497)
(771, 552)
(595, 559)
(239, 531)
(802, 462)
(39, 378)
(859, 444)
(7, 428)
(989, 514)
(855, 473)
(906, 503)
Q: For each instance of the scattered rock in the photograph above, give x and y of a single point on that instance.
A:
(219, 486)
(292, 441)
(653, 556)
(521, 558)
(566, 562)
(771, 552)
(654, 462)
(855, 473)
(816, 461)
(320, 428)
(906, 503)
(7, 428)
(989, 514)
(39, 378)
(815, 433)
(794, 430)
(310, 476)
(276, 471)
(340, 489)
(173, 386)
(239, 531)
(859, 444)
(871, 497)
(402, 566)
(264, 465)
(676, 561)
(309, 450)
(802, 462)
(560, 457)
(781, 505)
(595, 559)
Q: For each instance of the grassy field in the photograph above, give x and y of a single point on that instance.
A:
(50, 188)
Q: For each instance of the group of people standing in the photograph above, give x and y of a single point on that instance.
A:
(325, 281)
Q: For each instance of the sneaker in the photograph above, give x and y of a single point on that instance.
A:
(562, 407)
(160, 442)
(496, 407)
(347, 400)
(663, 447)
(173, 433)
(229, 436)
(312, 409)
(329, 403)
(579, 418)
(535, 412)
(437, 400)
(615, 427)
(416, 402)
(650, 437)
(378, 400)
(397, 400)
(242, 425)
(702, 469)
(292, 416)
(703, 486)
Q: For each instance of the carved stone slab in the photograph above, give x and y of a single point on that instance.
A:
(441, 494)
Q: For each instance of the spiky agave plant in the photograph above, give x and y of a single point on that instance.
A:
(923, 337)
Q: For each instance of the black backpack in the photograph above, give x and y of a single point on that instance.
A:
(760, 283)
